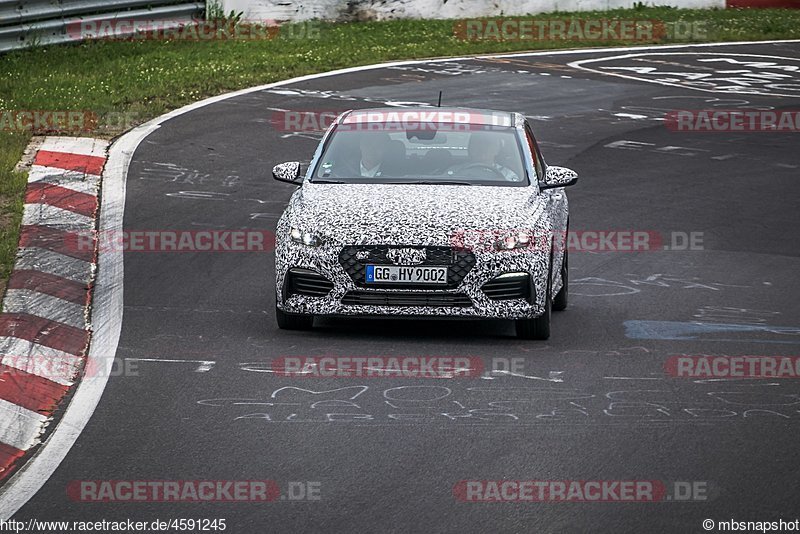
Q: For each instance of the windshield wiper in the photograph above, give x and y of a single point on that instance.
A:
(327, 182)
(437, 182)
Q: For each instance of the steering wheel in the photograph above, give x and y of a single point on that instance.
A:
(477, 166)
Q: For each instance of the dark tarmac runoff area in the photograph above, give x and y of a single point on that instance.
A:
(600, 411)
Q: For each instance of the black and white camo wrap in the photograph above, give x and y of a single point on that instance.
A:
(417, 215)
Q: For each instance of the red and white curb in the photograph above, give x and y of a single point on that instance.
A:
(44, 330)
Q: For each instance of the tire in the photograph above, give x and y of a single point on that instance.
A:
(290, 321)
(538, 327)
(560, 302)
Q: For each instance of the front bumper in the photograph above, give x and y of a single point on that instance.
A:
(464, 297)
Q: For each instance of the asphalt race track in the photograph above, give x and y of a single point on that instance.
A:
(592, 403)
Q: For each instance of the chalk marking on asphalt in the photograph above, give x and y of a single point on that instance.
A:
(579, 65)
(203, 365)
(107, 309)
(555, 376)
(756, 381)
(630, 378)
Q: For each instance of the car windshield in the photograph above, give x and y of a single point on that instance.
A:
(475, 155)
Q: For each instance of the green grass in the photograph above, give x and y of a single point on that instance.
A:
(129, 82)
(12, 189)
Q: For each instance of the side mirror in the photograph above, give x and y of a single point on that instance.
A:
(558, 177)
(287, 172)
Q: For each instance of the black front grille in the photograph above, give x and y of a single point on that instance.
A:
(401, 298)
(307, 283)
(355, 258)
(509, 287)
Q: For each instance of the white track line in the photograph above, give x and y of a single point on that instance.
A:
(108, 305)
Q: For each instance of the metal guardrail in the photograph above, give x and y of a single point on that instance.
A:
(25, 23)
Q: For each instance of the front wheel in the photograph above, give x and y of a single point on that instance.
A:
(290, 321)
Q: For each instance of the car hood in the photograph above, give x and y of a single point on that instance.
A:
(411, 214)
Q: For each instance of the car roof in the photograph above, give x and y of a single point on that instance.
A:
(445, 115)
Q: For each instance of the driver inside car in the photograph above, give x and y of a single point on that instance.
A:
(373, 147)
(363, 155)
(483, 149)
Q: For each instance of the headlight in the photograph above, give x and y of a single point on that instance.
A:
(306, 238)
(513, 241)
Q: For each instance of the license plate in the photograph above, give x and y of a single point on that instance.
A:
(400, 274)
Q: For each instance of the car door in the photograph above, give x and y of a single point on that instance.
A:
(557, 207)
